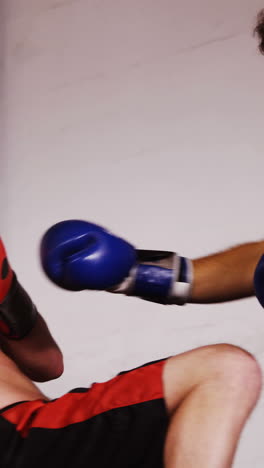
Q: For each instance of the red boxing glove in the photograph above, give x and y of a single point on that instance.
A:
(17, 312)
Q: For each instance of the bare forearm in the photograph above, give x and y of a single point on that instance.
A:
(37, 355)
(227, 275)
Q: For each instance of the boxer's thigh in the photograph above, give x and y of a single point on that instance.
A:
(14, 385)
(230, 364)
(122, 421)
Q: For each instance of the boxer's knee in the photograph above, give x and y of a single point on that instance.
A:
(234, 376)
(224, 367)
(235, 366)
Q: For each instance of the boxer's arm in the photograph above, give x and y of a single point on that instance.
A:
(24, 335)
(37, 354)
(78, 255)
(227, 275)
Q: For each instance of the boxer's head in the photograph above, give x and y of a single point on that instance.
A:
(259, 30)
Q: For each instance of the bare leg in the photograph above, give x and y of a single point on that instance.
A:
(210, 392)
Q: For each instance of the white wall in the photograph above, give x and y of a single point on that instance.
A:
(3, 158)
(146, 117)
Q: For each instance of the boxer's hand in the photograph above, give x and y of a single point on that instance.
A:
(78, 255)
(17, 312)
(259, 281)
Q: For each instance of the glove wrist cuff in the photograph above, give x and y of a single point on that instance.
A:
(162, 277)
(182, 286)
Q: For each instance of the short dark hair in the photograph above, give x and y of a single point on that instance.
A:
(259, 30)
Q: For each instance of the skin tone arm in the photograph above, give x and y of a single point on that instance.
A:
(227, 275)
(37, 355)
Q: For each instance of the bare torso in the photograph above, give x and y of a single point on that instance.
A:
(14, 385)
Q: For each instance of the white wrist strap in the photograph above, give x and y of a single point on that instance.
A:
(182, 286)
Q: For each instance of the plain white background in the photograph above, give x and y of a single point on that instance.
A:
(147, 118)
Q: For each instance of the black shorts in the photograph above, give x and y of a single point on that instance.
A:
(121, 423)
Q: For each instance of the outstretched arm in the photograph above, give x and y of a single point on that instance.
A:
(78, 255)
(227, 275)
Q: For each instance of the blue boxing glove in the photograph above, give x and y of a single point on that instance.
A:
(78, 255)
(259, 281)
